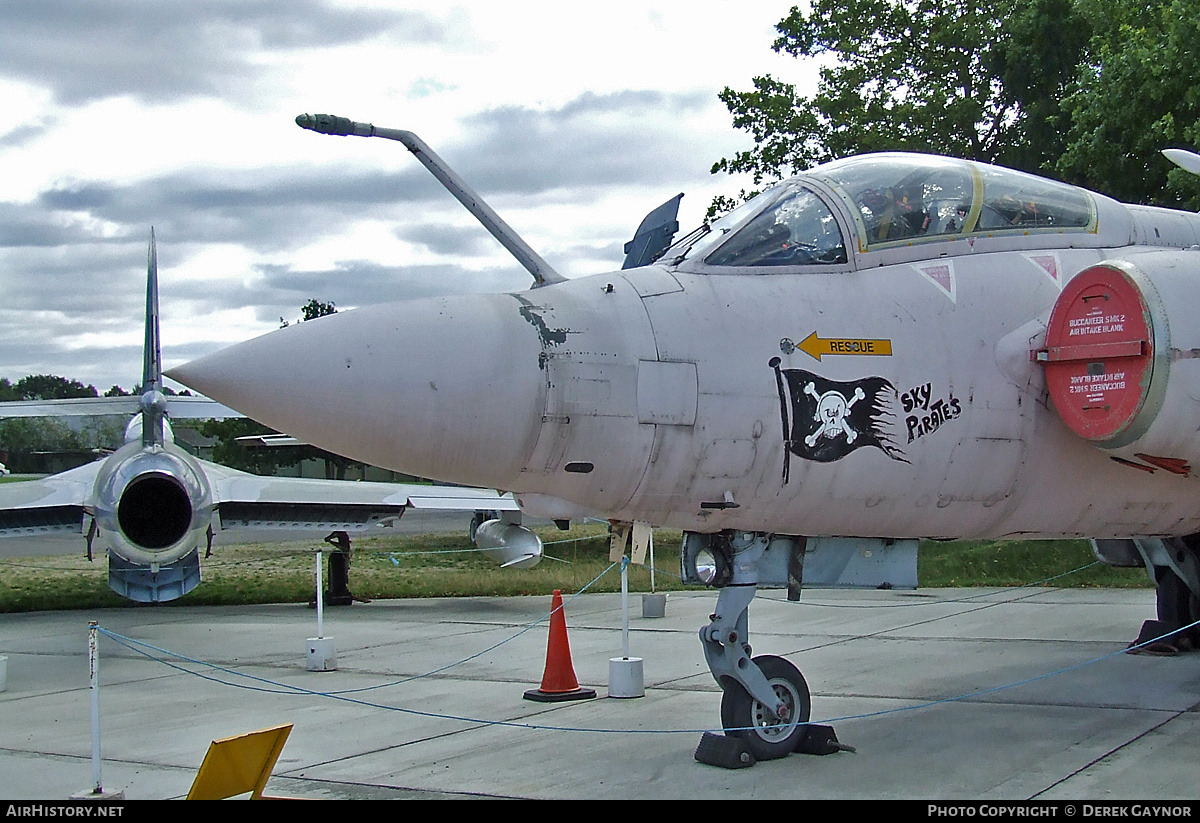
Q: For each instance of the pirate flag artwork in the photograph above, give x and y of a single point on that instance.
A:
(824, 420)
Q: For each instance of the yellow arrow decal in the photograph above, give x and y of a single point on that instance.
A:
(817, 347)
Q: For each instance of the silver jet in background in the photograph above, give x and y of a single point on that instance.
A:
(153, 506)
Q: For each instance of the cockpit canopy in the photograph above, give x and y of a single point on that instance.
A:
(902, 197)
(892, 200)
(797, 229)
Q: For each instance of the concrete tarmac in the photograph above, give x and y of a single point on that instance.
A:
(427, 700)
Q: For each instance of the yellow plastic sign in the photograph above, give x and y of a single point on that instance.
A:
(240, 764)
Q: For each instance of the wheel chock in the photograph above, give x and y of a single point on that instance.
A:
(1156, 639)
(821, 740)
(726, 752)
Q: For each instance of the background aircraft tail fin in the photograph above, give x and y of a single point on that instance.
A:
(153, 401)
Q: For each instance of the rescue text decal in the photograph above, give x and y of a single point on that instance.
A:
(818, 347)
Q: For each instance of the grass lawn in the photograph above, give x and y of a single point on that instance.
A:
(447, 565)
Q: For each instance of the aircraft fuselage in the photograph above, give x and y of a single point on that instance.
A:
(855, 382)
(650, 395)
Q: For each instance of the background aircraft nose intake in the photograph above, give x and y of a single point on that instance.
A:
(447, 388)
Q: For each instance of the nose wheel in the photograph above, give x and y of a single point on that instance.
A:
(765, 702)
(745, 718)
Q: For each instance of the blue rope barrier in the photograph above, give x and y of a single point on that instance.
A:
(284, 688)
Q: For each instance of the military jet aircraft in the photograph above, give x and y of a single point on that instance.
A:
(153, 505)
(885, 348)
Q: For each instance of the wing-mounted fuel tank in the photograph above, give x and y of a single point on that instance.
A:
(1122, 358)
(504, 540)
(155, 506)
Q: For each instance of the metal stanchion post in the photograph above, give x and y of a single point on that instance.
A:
(97, 790)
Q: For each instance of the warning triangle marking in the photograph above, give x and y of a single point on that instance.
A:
(1048, 264)
(941, 274)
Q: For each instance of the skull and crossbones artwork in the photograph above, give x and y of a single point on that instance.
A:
(824, 420)
(832, 410)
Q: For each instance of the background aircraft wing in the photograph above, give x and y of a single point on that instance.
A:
(178, 406)
(54, 504)
(74, 407)
(182, 407)
(249, 501)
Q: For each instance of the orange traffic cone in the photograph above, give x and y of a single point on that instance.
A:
(558, 679)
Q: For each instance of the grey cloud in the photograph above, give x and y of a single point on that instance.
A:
(362, 283)
(23, 225)
(519, 149)
(26, 133)
(87, 280)
(160, 52)
(513, 156)
(47, 346)
(590, 103)
(266, 210)
(89, 196)
(54, 259)
(464, 241)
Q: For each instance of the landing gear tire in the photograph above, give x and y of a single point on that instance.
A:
(745, 718)
(1177, 606)
(478, 519)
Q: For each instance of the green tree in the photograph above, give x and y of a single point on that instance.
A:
(20, 438)
(23, 435)
(103, 432)
(906, 75)
(1036, 58)
(311, 310)
(1135, 95)
(51, 387)
(228, 452)
(1089, 91)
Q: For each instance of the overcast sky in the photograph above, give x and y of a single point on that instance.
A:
(571, 120)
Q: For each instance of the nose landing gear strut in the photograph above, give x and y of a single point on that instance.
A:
(765, 705)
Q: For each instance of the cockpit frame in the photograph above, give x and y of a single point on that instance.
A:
(923, 198)
(889, 203)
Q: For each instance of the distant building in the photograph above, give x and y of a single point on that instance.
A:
(193, 442)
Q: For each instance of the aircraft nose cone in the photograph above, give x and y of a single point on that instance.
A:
(447, 388)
